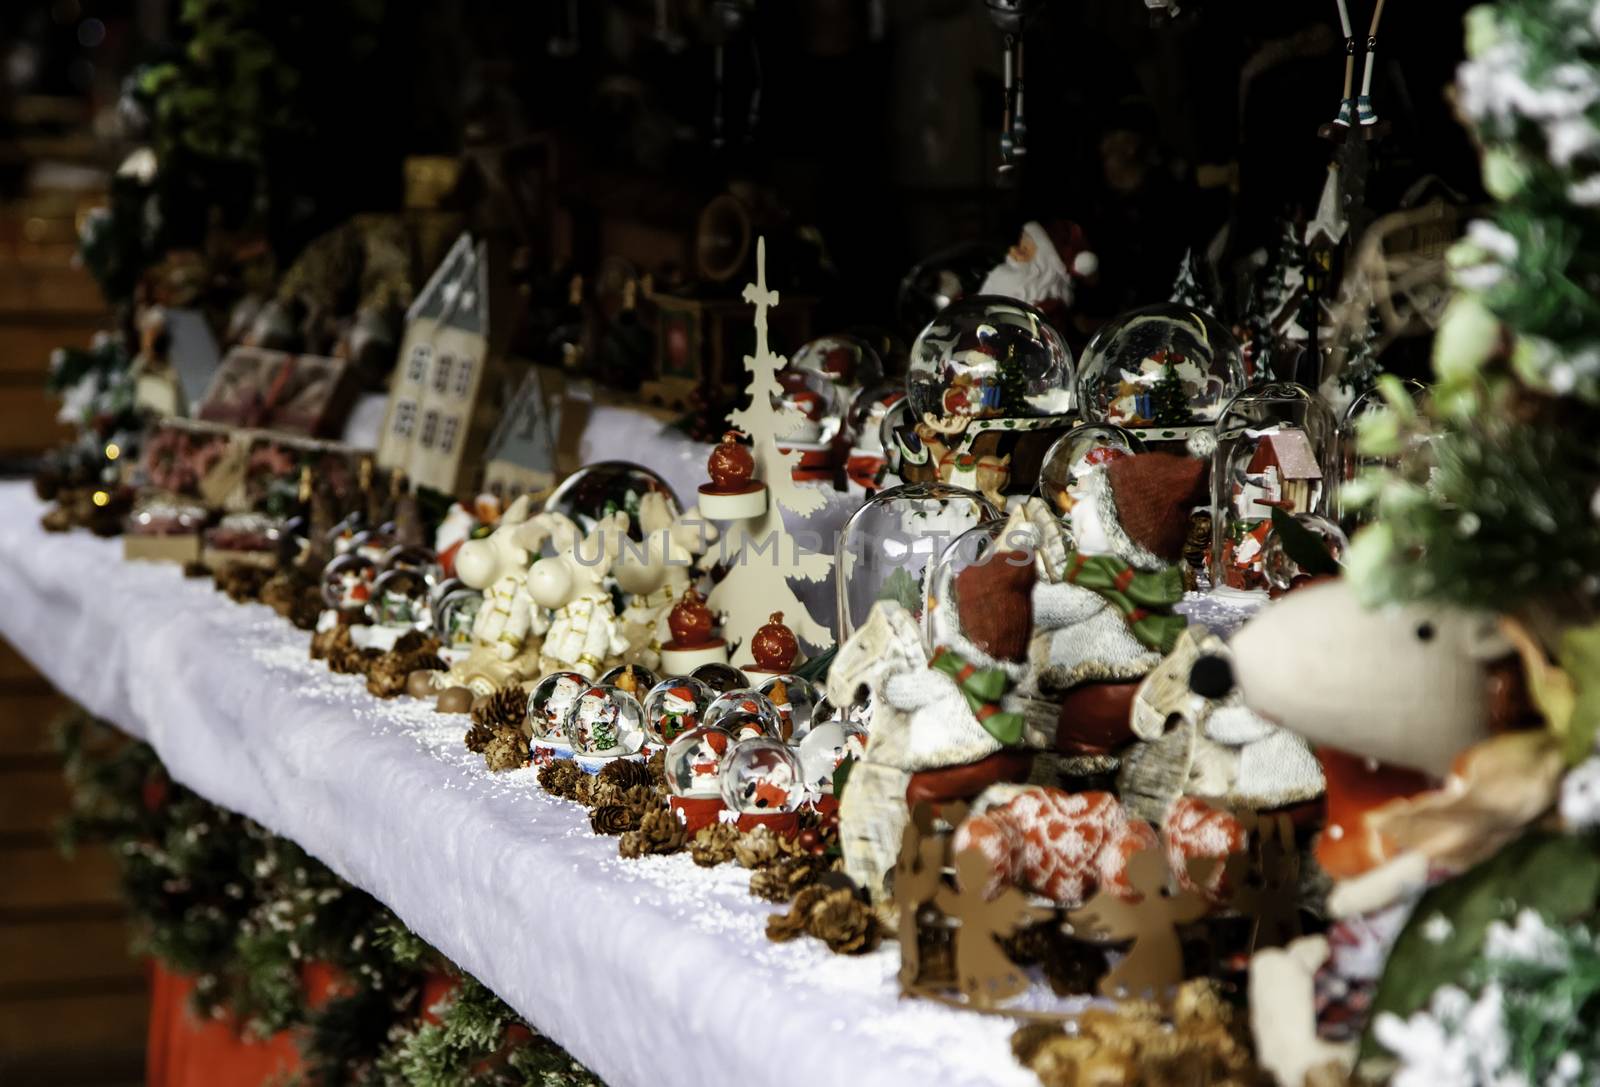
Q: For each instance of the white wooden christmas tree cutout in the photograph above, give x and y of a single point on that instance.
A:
(761, 555)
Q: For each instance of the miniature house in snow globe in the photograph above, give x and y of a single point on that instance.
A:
(889, 543)
(1161, 372)
(990, 385)
(1277, 446)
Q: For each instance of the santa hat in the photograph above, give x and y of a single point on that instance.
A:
(987, 611)
(1144, 502)
(1067, 242)
(682, 694)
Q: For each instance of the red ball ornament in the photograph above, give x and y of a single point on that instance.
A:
(810, 841)
(690, 621)
(774, 646)
(731, 465)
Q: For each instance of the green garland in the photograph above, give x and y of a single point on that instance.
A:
(218, 898)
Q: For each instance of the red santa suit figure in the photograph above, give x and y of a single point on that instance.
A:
(679, 713)
(1045, 268)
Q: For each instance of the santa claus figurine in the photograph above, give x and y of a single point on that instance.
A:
(1108, 617)
(679, 713)
(1045, 268)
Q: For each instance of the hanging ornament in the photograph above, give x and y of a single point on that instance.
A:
(774, 647)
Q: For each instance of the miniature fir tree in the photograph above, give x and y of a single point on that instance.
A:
(1186, 289)
(1168, 398)
(760, 553)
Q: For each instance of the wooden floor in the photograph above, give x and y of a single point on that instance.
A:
(72, 1000)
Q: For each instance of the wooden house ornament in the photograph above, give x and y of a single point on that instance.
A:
(520, 458)
(1283, 471)
(443, 403)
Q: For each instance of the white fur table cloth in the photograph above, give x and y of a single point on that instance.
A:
(649, 971)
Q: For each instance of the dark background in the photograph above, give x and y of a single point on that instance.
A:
(877, 127)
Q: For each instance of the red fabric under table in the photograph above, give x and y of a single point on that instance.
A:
(187, 1051)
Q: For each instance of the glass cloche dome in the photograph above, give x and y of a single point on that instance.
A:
(1160, 370)
(888, 544)
(598, 490)
(988, 357)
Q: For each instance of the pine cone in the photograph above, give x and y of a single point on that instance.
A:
(416, 641)
(713, 845)
(613, 819)
(242, 583)
(507, 751)
(844, 923)
(479, 738)
(659, 832)
(504, 710)
(785, 879)
(657, 765)
(307, 609)
(279, 592)
(560, 778)
(190, 569)
(641, 798)
(625, 774)
(583, 789)
(783, 927)
(387, 676)
(324, 642)
(760, 847)
(348, 660)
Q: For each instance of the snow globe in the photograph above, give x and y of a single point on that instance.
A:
(1319, 550)
(692, 765)
(454, 615)
(896, 429)
(347, 582)
(399, 599)
(674, 706)
(421, 559)
(985, 375)
(1076, 454)
(604, 722)
(762, 777)
(744, 711)
(721, 677)
(372, 544)
(1160, 371)
(795, 699)
(841, 360)
(867, 461)
(1353, 462)
(825, 748)
(1276, 446)
(888, 544)
(979, 545)
(810, 408)
(635, 679)
(599, 490)
(549, 703)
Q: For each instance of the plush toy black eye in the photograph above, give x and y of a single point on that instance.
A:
(1425, 632)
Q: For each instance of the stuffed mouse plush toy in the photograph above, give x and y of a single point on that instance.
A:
(1416, 717)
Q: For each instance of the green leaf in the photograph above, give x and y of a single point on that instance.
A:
(816, 669)
(1580, 659)
(1307, 550)
(841, 776)
(903, 589)
(1557, 875)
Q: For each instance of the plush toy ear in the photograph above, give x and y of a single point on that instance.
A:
(1485, 641)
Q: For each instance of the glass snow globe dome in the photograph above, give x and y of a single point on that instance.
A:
(845, 361)
(1276, 449)
(1352, 461)
(977, 546)
(1077, 454)
(988, 357)
(1160, 371)
(598, 490)
(887, 546)
(810, 407)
